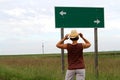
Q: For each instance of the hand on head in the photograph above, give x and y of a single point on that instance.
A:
(81, 35)
(66, 36)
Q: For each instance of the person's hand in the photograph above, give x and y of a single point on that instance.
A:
(81, 35)
(66, 36)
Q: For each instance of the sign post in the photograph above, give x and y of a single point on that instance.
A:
(62, 52)
(96, 52)
(81, 17)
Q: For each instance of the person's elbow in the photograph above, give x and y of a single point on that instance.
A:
(57, 45)
(88, 45)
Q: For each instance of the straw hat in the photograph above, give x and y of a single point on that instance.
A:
(73, 34)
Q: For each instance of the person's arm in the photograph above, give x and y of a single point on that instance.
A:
(87, 44)
(61, 44)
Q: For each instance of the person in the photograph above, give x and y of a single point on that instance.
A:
(76, 65)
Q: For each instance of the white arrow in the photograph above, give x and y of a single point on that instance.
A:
(62, 13)
(97, 21)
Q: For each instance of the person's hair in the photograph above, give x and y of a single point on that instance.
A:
(74, 39)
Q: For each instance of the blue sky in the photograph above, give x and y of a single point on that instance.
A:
(26, 24)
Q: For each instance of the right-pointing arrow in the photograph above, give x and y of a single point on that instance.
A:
(97, 21)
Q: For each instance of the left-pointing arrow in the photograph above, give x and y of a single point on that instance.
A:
(62, 13)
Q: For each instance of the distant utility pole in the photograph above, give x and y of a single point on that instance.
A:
(43, 47)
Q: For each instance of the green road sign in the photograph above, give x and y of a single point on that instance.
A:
(79, 17)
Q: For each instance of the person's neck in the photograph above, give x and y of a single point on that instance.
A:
(74, 42)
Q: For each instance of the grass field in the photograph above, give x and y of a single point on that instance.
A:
(48, 67)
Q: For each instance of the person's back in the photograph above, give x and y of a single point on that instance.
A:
(75, 56)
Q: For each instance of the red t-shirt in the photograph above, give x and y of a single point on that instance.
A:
(75, 56)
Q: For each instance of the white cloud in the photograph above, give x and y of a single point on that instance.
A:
(4, 1)
(117, 37)
(16, 12)
(35, 24)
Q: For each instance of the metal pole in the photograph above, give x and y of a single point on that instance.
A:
(42, 47)
(62, 52)
(96, 52)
